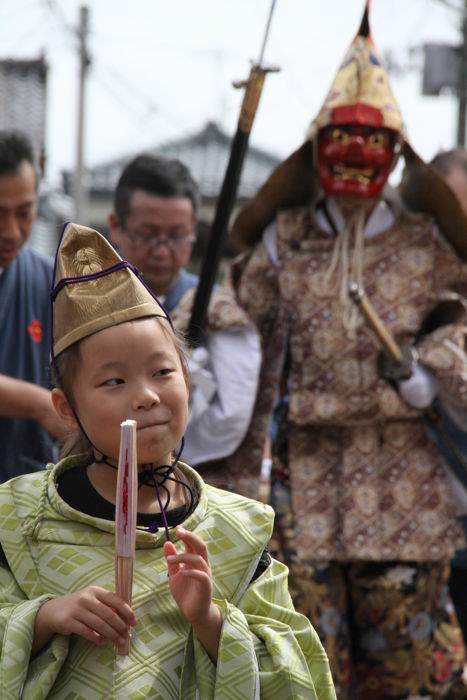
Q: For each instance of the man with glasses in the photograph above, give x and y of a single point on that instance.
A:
(153, 224)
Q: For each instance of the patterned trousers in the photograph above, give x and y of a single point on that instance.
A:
(389, 628)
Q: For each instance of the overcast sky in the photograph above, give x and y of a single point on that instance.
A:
(161, 69)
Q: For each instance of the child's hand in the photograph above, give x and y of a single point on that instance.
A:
(94, 613)
(190, 582)
(190, 578)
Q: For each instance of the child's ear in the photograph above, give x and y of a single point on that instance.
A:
(63, 408)
(114, 229)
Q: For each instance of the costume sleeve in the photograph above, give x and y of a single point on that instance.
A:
(222, 394)
(21, 676)
(266, 650)
(442, 351)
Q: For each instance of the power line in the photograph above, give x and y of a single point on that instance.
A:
(118, 79)
(19, 11)
(118, 86)
(449, 5)
(132, 88)
(113, 88)
(14, 41)
(199, 53)
(58, 14)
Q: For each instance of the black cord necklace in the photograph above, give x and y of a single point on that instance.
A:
(157, 477)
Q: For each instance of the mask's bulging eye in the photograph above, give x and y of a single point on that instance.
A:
(377, 140)
(339, 136)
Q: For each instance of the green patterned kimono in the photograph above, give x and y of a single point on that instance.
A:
(267, 650)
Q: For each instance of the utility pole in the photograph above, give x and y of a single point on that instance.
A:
(462, 82)
(84, 63)
(445, 66)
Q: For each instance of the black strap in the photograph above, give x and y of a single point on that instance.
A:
(450, 439)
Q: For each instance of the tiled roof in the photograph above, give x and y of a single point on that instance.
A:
(205, 154)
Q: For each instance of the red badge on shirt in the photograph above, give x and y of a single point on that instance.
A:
(35, 330)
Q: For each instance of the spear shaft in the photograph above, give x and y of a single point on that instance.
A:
(226, 200)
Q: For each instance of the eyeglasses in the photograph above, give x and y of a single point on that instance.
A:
(175, 241)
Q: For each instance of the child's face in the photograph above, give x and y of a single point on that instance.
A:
(132, 370)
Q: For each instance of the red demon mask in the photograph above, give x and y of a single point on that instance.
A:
(355, 160)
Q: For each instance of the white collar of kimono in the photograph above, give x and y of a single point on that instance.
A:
(381, 218)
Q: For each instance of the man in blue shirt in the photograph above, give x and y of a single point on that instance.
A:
(27, 418)
(153, 224)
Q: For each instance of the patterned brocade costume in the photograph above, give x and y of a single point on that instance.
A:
(359, 457)
(266, 648)
(364, 514)
(224, 314)
(366, 483)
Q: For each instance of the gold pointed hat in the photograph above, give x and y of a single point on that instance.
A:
(360, 92)
(93, 288)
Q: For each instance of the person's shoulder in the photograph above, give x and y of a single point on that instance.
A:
(24, 482)
(224, 313)
(238, 506)
(35, 257)
(223, 494)
(19, 497)
(412, 219)
(188, 279)
(37, 265)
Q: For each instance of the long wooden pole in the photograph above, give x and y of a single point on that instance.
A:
(431, 415)
(358, 296)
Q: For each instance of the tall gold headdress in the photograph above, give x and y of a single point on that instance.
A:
(359, 94)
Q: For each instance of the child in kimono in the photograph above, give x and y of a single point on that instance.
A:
(211, 615)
